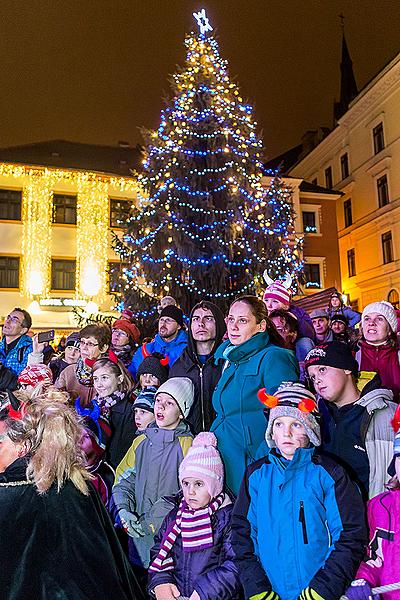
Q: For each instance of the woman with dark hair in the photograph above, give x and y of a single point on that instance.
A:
(253, 358)
(112, 386)
(63, 542)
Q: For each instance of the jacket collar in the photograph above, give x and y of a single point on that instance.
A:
(237, 354)
(181, 338)
(301, 457)
(15, 472)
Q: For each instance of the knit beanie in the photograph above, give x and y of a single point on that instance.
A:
(145, 400)
(73, 340)
(34, 374)
(382, 308)
(292, 400)
(277, 291)
(203, 461)
(173, 312)
(129, 328)
(339, 317)
(332, 354)
(182, 391)
(153, 366)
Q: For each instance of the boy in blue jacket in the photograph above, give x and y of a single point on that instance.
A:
(298, 525)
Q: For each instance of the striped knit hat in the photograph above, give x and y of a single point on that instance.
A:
(292, 400)
(278, 291)
(203, 461)
(145, 399)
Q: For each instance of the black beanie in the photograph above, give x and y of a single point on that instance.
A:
(173, 312)
(152, 365)
(332, 354)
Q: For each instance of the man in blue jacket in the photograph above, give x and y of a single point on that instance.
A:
(14, 347)
(171, 339)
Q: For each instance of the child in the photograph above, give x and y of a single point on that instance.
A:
(200, 562)
(298, 523)
(152, 371)
(383, 566)
(143, 408)
(149, 469)
(112, 385)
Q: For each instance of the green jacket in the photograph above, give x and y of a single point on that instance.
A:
(240, 424)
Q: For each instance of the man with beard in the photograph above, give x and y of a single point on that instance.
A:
(206, 330)
(170, 340)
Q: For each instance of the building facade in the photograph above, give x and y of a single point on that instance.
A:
(361, 159)
(56, 224)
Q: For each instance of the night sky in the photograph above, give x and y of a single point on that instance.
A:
(95, 71)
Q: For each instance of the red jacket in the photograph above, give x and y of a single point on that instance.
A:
(383, 360)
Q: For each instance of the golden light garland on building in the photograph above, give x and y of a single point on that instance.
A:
(93, 190)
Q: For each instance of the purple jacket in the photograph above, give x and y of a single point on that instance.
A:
(384, 548)
(210, 572)
(306, 328)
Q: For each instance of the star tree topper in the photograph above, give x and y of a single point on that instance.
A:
(202, 21)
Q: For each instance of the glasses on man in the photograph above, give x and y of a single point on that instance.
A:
(14, 319)
(82, 343)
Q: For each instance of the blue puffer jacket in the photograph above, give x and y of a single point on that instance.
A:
(351, 315)
(171, 349)
(240, 423)
(211, 572)
(17, 358)
(296, 524)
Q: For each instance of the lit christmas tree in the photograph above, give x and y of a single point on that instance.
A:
(205, 227)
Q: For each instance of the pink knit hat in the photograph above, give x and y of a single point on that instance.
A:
(203, 461)
(278, 291)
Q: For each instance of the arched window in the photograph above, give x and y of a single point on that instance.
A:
(393, 298)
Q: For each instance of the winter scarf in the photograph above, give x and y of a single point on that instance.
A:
(195, 528)
(83, 371)
(108, 402)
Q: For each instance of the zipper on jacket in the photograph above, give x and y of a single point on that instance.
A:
(302, 519)
(202, 398)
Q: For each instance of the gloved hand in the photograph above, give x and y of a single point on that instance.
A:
(271, 595)
(131, 524)
(310, 594)
(359, 590)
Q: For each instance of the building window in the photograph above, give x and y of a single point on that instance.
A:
(9, 272)
(344, 165)
(309, 222)
(328, 178)
(312, 275)
(351, 262)
(10, 205)
(64, 209)
(383, 190)
(115, 271)
(348, 215)
(119, 212)
(393, 298)
(63, 274)
(379, 139)
(387, 247)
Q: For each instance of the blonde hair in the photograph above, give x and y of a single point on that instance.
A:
(50, 431)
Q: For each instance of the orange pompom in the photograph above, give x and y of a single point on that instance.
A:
(396, 419)
(307, 405)
(266, 399)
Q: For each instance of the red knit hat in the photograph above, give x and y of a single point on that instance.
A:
(34, 374)
(129, 328)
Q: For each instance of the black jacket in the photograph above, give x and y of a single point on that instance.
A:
(122, 420)
(60, 544)
(204, 376)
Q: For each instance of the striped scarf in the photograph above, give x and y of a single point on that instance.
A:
(195, 528)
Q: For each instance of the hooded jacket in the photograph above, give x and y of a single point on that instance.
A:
(204, 376)
(13, 361)
(171, 349)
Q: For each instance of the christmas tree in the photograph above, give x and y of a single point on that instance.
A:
(205, 227)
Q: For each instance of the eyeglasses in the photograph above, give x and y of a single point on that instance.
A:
(14, 319)
(87, 344)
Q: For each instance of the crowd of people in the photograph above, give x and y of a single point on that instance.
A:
(237, 456)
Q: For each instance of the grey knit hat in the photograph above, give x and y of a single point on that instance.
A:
(182, 391)
(289, 397)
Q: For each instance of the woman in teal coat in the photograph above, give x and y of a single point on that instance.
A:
(253, 359)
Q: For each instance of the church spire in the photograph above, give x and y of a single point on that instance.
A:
(348, 86)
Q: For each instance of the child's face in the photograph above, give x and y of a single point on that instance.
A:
(329, 382)
(148, 380)
(273, 304)
(166, 411)
(106, 382)
(195, 492)
(86, 444)
(289, 434)
(143, 418)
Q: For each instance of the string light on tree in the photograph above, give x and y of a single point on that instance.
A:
(205, 226)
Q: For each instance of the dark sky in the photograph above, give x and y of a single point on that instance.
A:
(95, 71)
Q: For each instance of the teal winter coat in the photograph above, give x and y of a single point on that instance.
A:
(240, 423)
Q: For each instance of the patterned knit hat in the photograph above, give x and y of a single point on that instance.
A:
(34, 374)
(382, 308)
(73, 339)
(153, 366)
(292, 400)
(334, 354)
(182, 391)
(277, 291)
(203, 461)
(145, 400)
